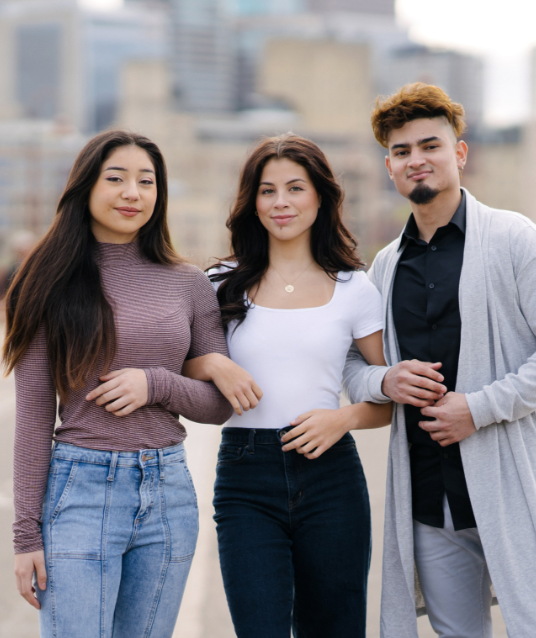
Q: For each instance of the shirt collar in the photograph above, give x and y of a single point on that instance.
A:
(459, 219)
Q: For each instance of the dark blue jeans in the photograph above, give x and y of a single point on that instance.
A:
(294, 537)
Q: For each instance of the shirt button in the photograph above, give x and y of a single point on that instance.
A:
(433, 247)
(431, 286)
(446, 455)
(434, 327)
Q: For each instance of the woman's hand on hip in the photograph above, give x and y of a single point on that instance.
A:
(316, 431)
(122, 391)
(25, 566)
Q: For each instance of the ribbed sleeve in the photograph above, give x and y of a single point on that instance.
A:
(36, 414)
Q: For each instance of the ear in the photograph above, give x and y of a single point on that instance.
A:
(388, 166)
(461, 154)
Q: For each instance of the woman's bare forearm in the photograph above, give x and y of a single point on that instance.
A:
(368, 416)
(201, 368)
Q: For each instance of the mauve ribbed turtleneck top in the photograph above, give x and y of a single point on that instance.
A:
(163, 315)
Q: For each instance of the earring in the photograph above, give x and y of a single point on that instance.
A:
(256, 213)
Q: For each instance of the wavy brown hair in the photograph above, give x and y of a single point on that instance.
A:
(411, 102)
(333, 246)
(59, 286)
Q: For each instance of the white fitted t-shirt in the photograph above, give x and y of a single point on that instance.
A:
(297, 356)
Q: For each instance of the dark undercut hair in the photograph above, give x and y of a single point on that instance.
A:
(412, 102)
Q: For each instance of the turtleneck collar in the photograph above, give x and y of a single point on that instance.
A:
(119, 253)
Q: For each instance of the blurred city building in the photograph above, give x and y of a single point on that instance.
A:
(35, 159)
(460, 75)
(63, 61)
(206, 80)
(203, 59)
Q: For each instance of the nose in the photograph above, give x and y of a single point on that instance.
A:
(281, 201)
(416, 160)
(131, 191)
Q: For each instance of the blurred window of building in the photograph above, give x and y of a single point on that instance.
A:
(38, 72)
(386, 7)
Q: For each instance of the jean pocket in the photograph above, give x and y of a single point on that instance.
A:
(343, 446)
(62, 479)
(231, 453)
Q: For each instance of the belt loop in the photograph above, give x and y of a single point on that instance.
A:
(161, 464)
(113, 464)
(251, 442)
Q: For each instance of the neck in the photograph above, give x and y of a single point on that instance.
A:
(292, 254)
(430, 217)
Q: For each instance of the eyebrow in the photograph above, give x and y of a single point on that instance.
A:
(297, 179)
(434, 138)
(119, 168)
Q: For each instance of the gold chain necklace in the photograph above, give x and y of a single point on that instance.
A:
(290, 287)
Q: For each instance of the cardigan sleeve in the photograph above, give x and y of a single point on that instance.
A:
(361, 381)
(514, 396)
(34, 428)
(198, 401)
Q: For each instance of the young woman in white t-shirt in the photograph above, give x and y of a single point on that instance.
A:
(291, 499)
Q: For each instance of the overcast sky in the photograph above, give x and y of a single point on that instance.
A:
(502, 31)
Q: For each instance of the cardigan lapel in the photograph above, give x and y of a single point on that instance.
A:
(474, 371)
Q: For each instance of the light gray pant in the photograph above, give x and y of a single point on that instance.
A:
(454, 579)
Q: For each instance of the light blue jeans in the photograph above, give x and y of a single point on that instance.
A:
(120, 530)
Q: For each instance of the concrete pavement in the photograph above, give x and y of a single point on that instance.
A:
(204, 612)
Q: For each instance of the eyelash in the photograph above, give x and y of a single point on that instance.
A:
(146, 182)
(271, 190)
(426, 148)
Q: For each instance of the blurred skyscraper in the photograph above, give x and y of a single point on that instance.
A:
(202, 56)
(61, 61)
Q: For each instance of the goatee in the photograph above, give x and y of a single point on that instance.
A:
(423, 194)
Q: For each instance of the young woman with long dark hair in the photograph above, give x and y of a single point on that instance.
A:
(291, 501)
(104, 313)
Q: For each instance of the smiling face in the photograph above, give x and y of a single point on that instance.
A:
(425, 159)
(124, 195)
(287, 201)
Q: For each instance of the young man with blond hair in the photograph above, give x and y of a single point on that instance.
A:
(459, 297)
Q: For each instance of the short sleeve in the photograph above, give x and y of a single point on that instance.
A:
(217, 270)
(366, 306)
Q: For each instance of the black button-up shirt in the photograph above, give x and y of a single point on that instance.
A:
(428, 328)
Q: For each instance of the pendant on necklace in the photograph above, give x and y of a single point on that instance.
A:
(289, 288)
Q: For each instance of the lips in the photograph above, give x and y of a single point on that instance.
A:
(420, 175)
(283, 219)
(127, 211)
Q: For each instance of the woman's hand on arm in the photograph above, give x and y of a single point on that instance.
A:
(318, 430)
(235, 383)
(25, 566)
(122, 391)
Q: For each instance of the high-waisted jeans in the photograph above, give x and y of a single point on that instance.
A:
(294, 537)
(120, 530)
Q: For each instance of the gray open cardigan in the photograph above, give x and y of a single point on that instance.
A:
(497, 372)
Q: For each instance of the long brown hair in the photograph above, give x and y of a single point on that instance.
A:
(333, 246)
(59, 285)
